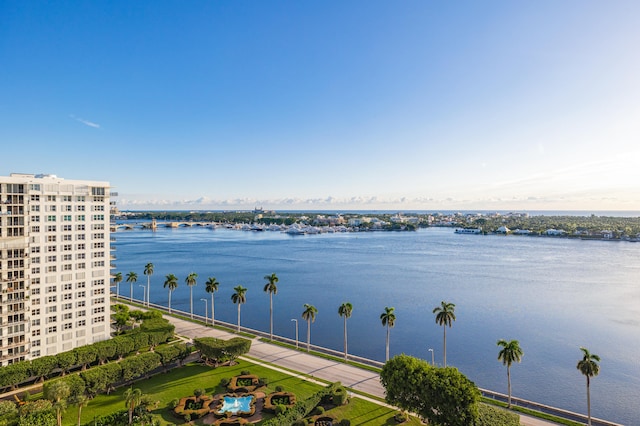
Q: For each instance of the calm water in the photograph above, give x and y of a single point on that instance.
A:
(553, 295)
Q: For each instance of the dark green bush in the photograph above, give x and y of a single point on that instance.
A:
(245, 372)
(279, 388)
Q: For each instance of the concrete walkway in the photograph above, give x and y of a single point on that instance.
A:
(321, 368)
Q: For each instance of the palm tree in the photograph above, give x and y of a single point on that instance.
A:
(171, 282)
(444, 316)
(588, 366)
(81, 401)
(117, 279)
(510, 352)
(345, 312)
(271, 288)
(309, 315)
(239, 297)
(132, 277)
(211, 287)
(191, 281)
(388, 318)
(132, 399)
(148, 271)
(58, 393)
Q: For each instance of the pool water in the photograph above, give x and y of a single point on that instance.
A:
(235, 404)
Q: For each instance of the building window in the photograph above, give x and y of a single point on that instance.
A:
(67, 326)
(35, 332)
(51, 228)
(67, 306)
(66, 228)
(82, 323)
(52, 329)
(51, 218)
(35, 229)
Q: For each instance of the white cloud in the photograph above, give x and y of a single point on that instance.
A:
(85, 122)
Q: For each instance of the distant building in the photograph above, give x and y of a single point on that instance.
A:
(54, 265)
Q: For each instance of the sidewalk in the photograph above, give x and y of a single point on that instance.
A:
(350, 376)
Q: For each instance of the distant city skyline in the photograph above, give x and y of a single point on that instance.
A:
(328, 105)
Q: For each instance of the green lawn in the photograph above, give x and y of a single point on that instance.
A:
(182, 381)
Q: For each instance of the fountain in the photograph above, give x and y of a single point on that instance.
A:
(236, 404)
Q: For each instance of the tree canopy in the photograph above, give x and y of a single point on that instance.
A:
(442, 396)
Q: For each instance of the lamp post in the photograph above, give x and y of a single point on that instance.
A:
(144, 293)
(432, 360)
(206, 312)
(296, 321)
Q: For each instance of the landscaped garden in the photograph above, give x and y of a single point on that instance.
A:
(163, 389)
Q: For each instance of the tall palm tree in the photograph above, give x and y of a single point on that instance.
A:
(117, 279)
(388, 318)
(588, 366)
(132, 398)
(211, 287)
(239, 297)
(58, 393)
(171, 282)
(345, 312)
(510, 352)
(271, 288)
(191, 281)
(445, 316)
(309, 315)
(148, 271)
(81, 401)
(132, 277)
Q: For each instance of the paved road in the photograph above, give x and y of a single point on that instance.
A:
(350, 376)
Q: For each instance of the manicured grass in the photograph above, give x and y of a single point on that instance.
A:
(362, 412)
(181, 382)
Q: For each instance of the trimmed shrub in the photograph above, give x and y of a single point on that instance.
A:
(224, 382)
(401, 417)
(279, 388)
(345, 422)
(318, 410)
(245, 372)
(340, 396)
(489, 415)
(280, 409)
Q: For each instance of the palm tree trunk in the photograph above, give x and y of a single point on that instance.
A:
(387, 352)
(588, 404)
(509, 385)
(444, 356)
(345, 338)
(271, 316)
(79, 413)
(118, 291)
(212, 316)
(308, 334)
(131, 292)
(148, 294)
(169, 301)
(238, 317)
(191, 293)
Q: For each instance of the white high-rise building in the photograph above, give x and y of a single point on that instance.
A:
(54, 265)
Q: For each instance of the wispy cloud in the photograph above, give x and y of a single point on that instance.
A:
(85, 122)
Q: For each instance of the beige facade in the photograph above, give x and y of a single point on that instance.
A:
(54, 265)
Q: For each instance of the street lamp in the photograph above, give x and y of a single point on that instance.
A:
(296, 321)
(144, 292)
(206, 312)
(432, 361)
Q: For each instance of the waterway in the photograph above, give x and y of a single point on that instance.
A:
(553, 295)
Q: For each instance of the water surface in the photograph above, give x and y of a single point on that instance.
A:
(553, 295)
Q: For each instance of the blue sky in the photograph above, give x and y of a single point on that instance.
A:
(498, 105)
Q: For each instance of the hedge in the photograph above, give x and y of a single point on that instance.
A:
(222, 350)
(494, 416)
(302, 408)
